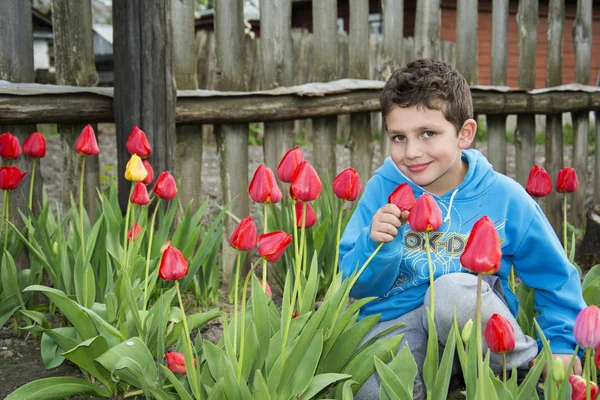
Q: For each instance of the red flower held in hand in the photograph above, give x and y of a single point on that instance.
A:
(499, 334)
(244, 236)
(578, 388)
(306, 185)
(9, 146)
(288, 164)
(263, 187)
(165, 186)
(346, 185)
(173, 265)
(587, 327)
(272, 245)
(567, 181)
(403, 197)
(86, 142)
(482, 254)
(35, 145)
(311, 216)
(425, 215)
(267, 289)
(139, 194)
(133, 232)
(176, 362)
(10, 177)
(150, 177)
(539, 183)
(137, 143)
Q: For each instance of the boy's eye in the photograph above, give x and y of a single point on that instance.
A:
(429, 134)
(398, 138)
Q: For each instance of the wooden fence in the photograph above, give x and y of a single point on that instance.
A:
(230, 62)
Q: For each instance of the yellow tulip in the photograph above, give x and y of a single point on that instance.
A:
(135, 170)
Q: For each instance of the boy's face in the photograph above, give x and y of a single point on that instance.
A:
(426, 147)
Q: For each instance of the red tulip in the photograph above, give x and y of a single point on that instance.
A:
(499, 334)
(403, 197)
(9, 146)
(176, 362)
(10, 177)
(139, 194)
(35, 145)
(425, 215)
(137, 143)
(311, 216)
(587, 327)
(288, 164)
(272, 245)
(306, 185)
(347, 184)
(578, 388)
(244, 236)
(173, 265)
(86, 142)
(539, 183)
(165, 186)
(150, 177)
(133, 232)
(295, 314)
(267, 289)
(482, 254)
(597, 357)
(567, 181)
(263, 187)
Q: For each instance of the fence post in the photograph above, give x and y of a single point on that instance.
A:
(527, 25)
(189, 138)
(427, 29)
(466, 39)
(145, 92)
(582, 41)
(276, 45)
(359, 142)
(232, 140)
(554, 133)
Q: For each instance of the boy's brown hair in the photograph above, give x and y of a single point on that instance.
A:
(429, 83)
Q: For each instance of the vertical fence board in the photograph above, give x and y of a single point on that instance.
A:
(427, 29)
(466, 39)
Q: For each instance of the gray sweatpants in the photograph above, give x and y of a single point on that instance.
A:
(456, 290)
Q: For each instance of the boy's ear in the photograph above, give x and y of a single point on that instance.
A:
(467, 134)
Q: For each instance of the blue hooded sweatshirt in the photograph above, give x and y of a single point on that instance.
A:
(398, 275)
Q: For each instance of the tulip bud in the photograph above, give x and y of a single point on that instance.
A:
(587, 327)
(466, 331)
(55, 248)
(150, 177)
(272, 245)
(35, 145)
(499, 334)
(288, 164)
(134, 170)
(539, 183)
(403, 197)
(86, 142)
(139, 194)
(165, 186)
(9, 146)
(578, 388)
(295, 315)
(173, 265)
(311, 216)
(482, 253)
(558, 370)
(133, 232)
(346, 185)
(567, 181)
(425, 215)
(263, 187)
(176, 362)
(244, 236)
(267, 289)
(137, 143)
(306, 185)
(10, 177)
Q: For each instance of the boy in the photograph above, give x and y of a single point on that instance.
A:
(428, 112)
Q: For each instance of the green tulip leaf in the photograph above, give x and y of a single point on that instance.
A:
(217, 392)
(260, 388)
(84, 354)
(347, 391)
(214, 354)
(405, 368)
(132, 362)
(177, 385)
(527, 390)
(262, 331)
(445, 369)
(300, 367)
(51, 352)
(391, 384)
(309, 293)
(56, 388)
(162, 395)
(431, 364)
(320, 382)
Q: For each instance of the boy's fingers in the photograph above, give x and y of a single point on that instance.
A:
(391, 209)
(390, 219)
(404, 216)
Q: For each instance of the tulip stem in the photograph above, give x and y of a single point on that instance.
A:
(141, 392)
(243, 322)
(594, 372)
(504, 368)
(431, 277)
(124, 261)
(236, 283)
(31, 192)
(478, 333)
(5, 212)
(193, 381)
(511, 279)
(295, 230)
(565, 223)
(337, 241)
(81, 205)
(264, 267)
(151, 228)
(301, 258)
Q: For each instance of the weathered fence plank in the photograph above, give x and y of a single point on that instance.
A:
(427, 29)
(466, 39)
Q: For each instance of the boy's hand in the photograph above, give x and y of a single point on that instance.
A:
(386, 222)
(566, 359)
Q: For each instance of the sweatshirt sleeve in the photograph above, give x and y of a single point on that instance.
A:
(541, 263)
(356, 246)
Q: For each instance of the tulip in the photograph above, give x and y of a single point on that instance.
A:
(134, 170)
(311, 216)
(482, 254)
(306, 185)
(137, 143)
(499, 334)
(35, 145)
(346, 185)
(263, 186)
(597, 357)
(578, 388)
(288, 164)
(272, 245)
(86, 142)
(150, 177)
(139, 195)
(173, 265)
(425, 215)
(539, 183)
(176, 362)
(558, 370)
(10, 177)
(267, 288)
(9, 146)
(165, 186)
(133, 232)
(244, 236)
(567, 181)
(404, 198)
(587, 327)
(466, 331)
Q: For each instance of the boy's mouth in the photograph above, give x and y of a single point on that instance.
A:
(418, 167)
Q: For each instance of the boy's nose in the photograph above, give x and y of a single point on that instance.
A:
(413, 149)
